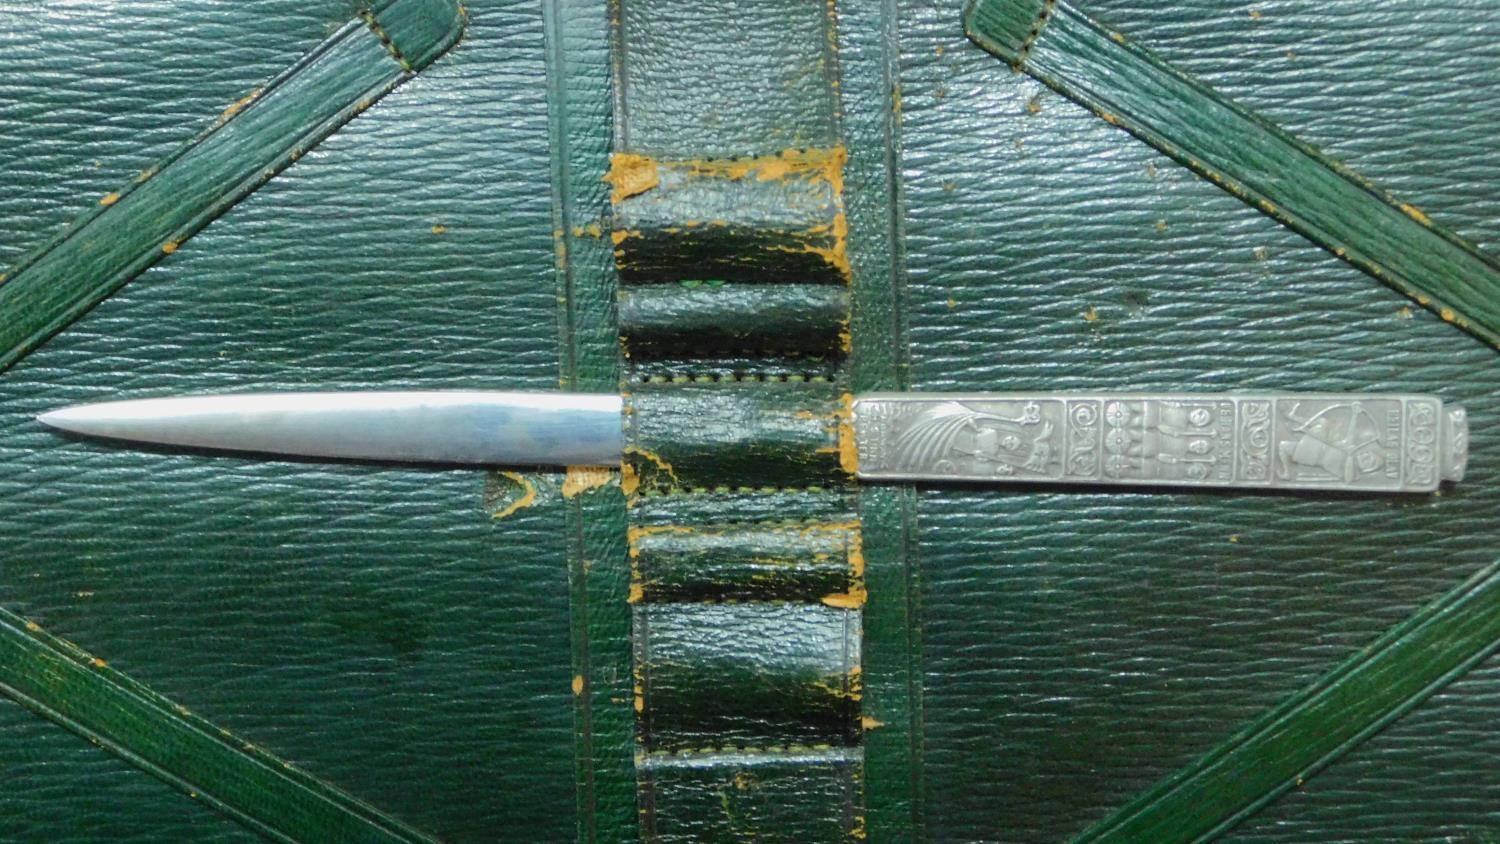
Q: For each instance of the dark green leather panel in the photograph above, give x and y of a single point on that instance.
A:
(1319, 724)
(725, 79)
(805, 795)
(79, 691)
(94, 96)
(787, 560)
(748, 675)
(1406, 781)
(708, 320)
(359, 621)
(707, 435)
(1243, 152)
(1080, 647)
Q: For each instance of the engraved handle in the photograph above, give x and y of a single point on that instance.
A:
(1359, 442)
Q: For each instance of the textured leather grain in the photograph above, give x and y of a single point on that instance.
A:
(378, 628)
(474, 676)
(1081, 647)
(1247, 154)
(135, 225)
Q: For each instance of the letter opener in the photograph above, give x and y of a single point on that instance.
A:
(1289, 441)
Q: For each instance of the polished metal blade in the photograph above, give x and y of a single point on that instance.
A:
(493, 428)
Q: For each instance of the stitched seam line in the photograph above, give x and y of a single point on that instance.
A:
(732, 748)
(1035, 33)
(710, 490)
(746, 377)
(773, 525)
(385, 40)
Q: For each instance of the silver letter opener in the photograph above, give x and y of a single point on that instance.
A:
(1363, 443)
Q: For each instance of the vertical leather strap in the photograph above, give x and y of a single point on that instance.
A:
(758, 289)
(579, 113)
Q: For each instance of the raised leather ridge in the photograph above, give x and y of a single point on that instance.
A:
(1314, 727)
(763, 218)
(709, 320)
(687, 436)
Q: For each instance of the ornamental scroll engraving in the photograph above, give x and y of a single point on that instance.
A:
(1375, 443)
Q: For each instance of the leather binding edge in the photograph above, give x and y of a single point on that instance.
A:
(132, 228)
(1246, 154)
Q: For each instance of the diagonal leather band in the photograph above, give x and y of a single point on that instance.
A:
(1247, 155)
(1388, 678)
(249, 143)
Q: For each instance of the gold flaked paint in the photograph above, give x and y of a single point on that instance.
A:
(631, 175)
(439, 228)
(33, 626)
(581, 479)
(1416, 214)
(238, 105)
(630, 480)
(577, 684)
(97, 662)
(848, 445)
(109, 199)
(851, 600)
(619, 236)
(870, 722)
(818, 163)
(1447, 314)
(169, 247)
(835, 255)
(856, 554)
(1091, 315)
(528, 495)
(635, 533)
(637, 593)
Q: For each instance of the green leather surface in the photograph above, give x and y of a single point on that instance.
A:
(381, 629)
(252, 139)
(376, 627)
(1080, 647)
